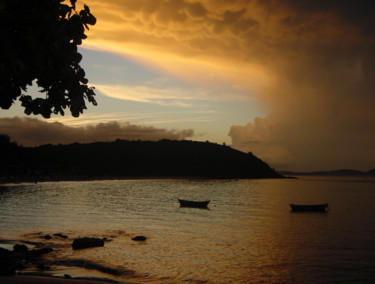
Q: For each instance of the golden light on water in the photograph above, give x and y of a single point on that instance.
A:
(247, 235)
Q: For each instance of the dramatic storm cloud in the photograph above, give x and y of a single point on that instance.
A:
(310, 63)
(34, 132)
(323, 97)
(291, 81)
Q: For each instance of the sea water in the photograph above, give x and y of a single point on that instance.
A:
(247, 235)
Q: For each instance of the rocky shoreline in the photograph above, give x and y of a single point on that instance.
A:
(30, 259)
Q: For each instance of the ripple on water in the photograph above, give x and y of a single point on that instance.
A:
(247, 235)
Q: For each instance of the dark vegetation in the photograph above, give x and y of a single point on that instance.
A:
(39, 40)
(128, 159)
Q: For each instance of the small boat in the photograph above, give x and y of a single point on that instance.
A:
(310, 207)
(193, 204)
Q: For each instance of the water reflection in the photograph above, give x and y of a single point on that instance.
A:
(248, 235)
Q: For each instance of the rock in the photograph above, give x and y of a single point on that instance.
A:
(43, 251)
(87, 243)
(19, 257)
(61, 235)
(139, 238)
(7, 262)
(20, 249)
(20, 265)
(47, 237)
(67, 276)
(38, 253)
(42, 266)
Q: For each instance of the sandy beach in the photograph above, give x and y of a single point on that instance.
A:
(31, 279)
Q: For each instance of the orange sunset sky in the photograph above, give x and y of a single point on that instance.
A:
(291, 81)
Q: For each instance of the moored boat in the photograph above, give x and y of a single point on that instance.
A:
(193, 204)
(309, 207)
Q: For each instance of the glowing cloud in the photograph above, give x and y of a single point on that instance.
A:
(162, 96)
(310, 62)
(194, 40)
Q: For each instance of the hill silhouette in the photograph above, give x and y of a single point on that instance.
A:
(130, 159)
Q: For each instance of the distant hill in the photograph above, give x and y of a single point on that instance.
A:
(343, 172)
(130, 159)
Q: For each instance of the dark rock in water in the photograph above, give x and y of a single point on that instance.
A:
(7, 262)
(38, 253)
(20, 265)
(43, 251)
(47, 237)
(87, 243)
(42, 266)
(61, 235)
(20, 249)
(139, 238)
(19, 257)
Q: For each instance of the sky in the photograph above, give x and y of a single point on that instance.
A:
(290, 81)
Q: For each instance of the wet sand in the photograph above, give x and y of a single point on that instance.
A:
(27, 279)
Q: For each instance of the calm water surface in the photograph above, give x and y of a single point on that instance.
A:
(248, 234)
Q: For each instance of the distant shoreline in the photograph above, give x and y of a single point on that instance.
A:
(30, 181)
(341, 172)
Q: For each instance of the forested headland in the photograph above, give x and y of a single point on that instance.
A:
(123, 159)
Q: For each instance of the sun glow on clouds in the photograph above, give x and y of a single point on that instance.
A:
(182, 38)
(163, 96)
(291, 81)
(145, 118)
(144, 94)
(311, 63)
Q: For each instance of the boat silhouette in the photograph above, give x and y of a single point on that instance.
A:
(193, 204)
(309, 207)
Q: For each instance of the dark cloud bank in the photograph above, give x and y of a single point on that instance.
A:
(34, 132)
(322, 101)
